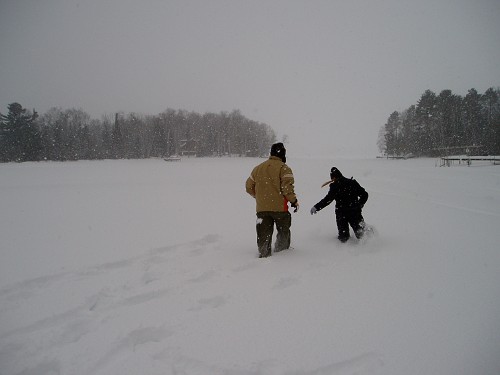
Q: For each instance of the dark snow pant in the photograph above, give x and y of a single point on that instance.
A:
(265, 226)
(352, 217)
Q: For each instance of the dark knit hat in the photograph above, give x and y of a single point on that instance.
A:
(279, 150)
(335, 173)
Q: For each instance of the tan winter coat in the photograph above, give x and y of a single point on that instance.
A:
(271, 184)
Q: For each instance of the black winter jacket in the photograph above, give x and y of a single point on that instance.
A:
(347, 193)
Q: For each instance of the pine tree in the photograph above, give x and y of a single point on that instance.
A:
(19, 135)
(392, 136)
(491, 113)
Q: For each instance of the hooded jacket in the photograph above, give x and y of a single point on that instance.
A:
(347, 193)
(271, 184)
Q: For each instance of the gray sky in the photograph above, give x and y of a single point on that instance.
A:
(326, 73)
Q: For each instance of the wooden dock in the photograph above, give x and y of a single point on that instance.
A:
(448, 161)
(173, 158)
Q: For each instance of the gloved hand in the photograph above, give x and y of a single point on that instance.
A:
(313, 210)
(295, 205)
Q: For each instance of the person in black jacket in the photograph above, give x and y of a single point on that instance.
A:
(350, 198)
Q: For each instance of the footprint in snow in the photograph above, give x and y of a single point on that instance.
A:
(286, 282)
(210, 303)
(204, 277)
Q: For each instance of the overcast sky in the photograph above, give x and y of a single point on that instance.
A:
(326, 73)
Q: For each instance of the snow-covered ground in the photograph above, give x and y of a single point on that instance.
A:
(149, 267)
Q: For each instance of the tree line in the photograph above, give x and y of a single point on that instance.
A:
(73, 135)
(445, 124)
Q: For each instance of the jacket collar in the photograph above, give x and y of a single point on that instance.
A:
(275, 158)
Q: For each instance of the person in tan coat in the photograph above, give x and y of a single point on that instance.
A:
(271, 184)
